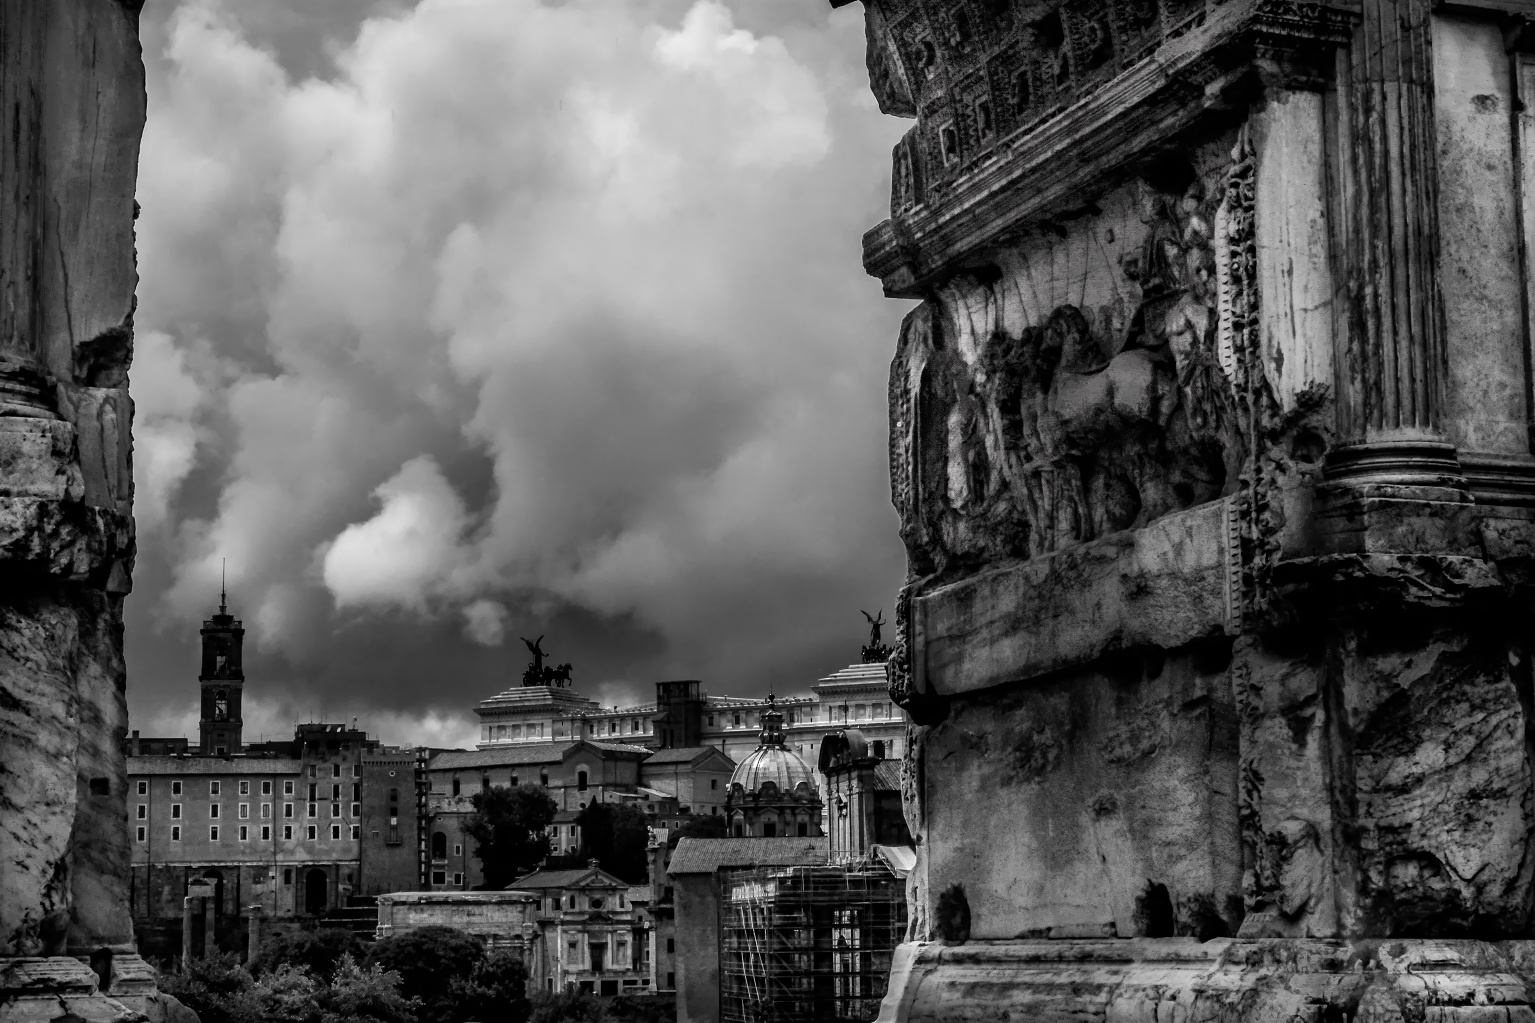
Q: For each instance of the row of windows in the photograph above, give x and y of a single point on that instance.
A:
(244, 811)
(244, 833)
(216, 786)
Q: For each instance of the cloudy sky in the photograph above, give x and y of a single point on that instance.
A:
(464, 320)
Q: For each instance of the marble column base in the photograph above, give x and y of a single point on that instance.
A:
(1182, 980)
(35, 989)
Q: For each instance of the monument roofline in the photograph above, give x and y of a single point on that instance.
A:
(983, 162)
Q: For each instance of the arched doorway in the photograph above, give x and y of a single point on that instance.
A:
(314, 891)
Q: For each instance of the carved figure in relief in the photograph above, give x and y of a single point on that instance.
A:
(1022, 443)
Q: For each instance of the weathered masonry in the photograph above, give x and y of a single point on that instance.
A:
(72, 103)
(1211, 442)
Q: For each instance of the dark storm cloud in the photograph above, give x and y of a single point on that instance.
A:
(478, 318)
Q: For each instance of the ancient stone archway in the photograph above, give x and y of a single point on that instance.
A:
(315, 891)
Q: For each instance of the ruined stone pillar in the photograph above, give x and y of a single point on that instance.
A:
(72, 103)
(1215, 634)
(188, 919)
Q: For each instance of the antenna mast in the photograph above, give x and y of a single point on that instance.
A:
(223, 596)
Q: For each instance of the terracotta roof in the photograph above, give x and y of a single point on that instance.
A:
(707, 855)
(566, 879)
(686, 755)
(213, 765)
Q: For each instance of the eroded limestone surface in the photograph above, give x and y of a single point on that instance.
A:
(1210, 439)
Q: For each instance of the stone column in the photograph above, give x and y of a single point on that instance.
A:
(22, 44)
(210, 926)
(253, 931)
(187, 905)
(1391, 325)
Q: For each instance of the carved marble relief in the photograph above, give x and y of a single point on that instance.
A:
(976, 71)
(1082, 383)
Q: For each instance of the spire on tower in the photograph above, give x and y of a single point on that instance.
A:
(223, 596)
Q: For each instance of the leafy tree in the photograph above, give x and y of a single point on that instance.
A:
(317, 951)
(702, 826)
(508, 826)
(567, 1007)
(428, 961)
(616, 835)
(495, 992)
(365, 993)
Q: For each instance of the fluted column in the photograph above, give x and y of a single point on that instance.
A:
(22, 188)
(1392, 359)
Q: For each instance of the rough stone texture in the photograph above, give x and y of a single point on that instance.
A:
(1210, 441)
(72, 97)
(73, 81)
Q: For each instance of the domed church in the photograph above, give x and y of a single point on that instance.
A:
(773, 792)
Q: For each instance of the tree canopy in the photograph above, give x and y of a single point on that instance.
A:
(508, 827)
(702, 826)
(616, 835)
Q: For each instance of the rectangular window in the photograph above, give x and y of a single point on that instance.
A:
(671, 944)
(213, 788)
(287, 811)
(175, 811)
(213, 833)
(266, 788)
(143, 812)
(175, 788)
(143, 788)
(287, 832)
(287, 788)
(335, 770)
(245, 811)
(213, 811)
(245, 833)
(312, 809)
(356, 791)
(245, 788)
(266, 832)
(266, 811)
(141, 834)
(175, 834)
(714, 783)
(356, 809)
(458, 849)
(313, 771)
(287, 875)
(458, 879)
(335, 793)
(439, 877)
(357, 832)
(314, 832)
(356, 770)
(314, 791)
(335, 810)
(335, 832)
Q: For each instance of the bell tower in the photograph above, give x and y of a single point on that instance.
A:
(222, 680)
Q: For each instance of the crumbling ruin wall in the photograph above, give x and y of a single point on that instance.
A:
(73, 102)
(1210, 438)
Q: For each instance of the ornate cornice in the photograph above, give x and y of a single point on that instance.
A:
(1030, 117)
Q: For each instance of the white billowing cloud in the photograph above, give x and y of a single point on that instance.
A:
(398, 555)
(485, 622)
(166, 397)
(553, 300)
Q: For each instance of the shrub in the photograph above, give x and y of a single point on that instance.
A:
(567, 1007)
(369, 994)
(428, 962)
(316, 951)
(496, 991)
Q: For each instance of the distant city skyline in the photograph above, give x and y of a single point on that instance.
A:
(580, 347)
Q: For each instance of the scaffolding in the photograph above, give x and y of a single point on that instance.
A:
(808, 944)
